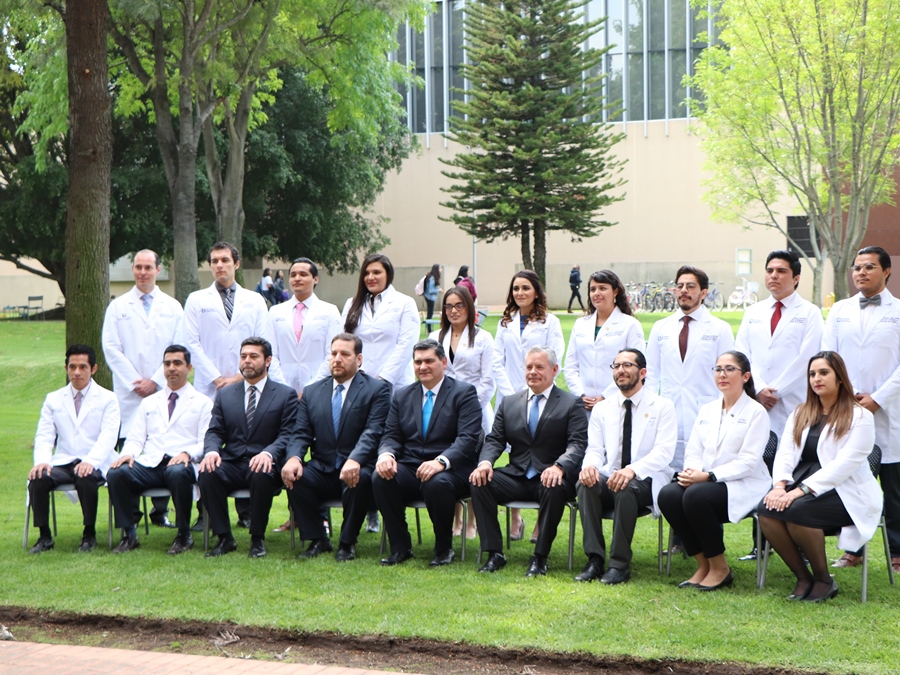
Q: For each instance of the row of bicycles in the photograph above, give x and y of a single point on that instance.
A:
(651, 296)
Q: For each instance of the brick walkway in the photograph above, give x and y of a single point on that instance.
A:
(26, 658)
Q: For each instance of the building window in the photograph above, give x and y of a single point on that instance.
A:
(744, 262)
(799, 232)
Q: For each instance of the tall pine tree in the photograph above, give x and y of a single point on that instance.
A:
(540, 155)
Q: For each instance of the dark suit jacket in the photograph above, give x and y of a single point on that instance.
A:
(360, 428)
(454, 429)
(560, 437)
(273, 424)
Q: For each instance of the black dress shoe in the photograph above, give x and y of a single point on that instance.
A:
(244, 523)
(41, 545)
(372, 524)
(614, 576)
(830, 593)
(397, 558)
(162, 521)
(316, 546)
(538, 566)
(444, 558)
(87, 544)
(257, 548)
(127, 544)
(181, 544)
(496, 561)
(593, 570)
(725, 583)
(345, 553)
(750, 556)
(223, 546)
(199, 525)
(687, 583)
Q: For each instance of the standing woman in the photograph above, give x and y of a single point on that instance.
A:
(470, 354)
(597, 337)
(386, 321)
(463, 279)
(724, 476)
(822, 479)
(432, 289)
(278, 290)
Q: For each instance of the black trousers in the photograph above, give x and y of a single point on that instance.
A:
(39, 493)
(890, 485)
(440, 494)
(696, 513)
(576, 295)
(127, 482)
(316, 486)
(235, 474)
(505, 487)
(625, 504)
(429, 306)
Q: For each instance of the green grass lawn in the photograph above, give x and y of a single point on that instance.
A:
(647, 617)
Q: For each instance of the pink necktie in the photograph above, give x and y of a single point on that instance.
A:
(78, 396)
(298, 319)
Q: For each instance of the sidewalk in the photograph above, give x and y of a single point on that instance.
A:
(26, 658)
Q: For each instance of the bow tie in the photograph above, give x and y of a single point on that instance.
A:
(875, 300)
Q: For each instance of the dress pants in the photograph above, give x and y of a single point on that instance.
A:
(316, 486)
(235, 474)
(39, 493)
(505, 487)
(127, 482)
(890, 485)
(625, 504)
(440, 494)
(696, 513)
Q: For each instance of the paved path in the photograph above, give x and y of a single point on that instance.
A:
(27, 658)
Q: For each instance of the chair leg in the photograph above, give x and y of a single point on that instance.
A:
(383, 540)
(205, 528)
(291, 524)
(758, 549)
(465, 524)
(887, 550)
(865, 571)
(109, 525)
(572, 507)
(508, 527)
(765, 565)
(146, 517)
(419, 527)
(27, 518)
(669, 553)
(659, 548)
(53, 510)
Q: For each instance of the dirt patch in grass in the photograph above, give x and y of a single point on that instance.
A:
(367, 652)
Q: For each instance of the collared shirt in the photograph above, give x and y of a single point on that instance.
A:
(140, 294)
(334, 385)
(259, 389)
(865, 313)
(436, 390)
(636, 401)
(541, 404)
(84, 392)
(221, 289)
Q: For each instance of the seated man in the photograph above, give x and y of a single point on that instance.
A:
(163, 445)
(75, 443)
(546, 429)
(631, 442)
(252, 422)
(341, 420)
(427, 452)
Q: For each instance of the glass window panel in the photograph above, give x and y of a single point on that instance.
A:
(698, 26)
(436, 85)
(677, 33)
(657, 85)
(417, 54)
(635, 26)
(615, 25)
(635, 87)
(614, 85)
(656, 10)
(678, 69)
(456, 52)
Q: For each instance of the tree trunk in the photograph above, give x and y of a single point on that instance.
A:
(231, 210)
(540, 250)
(90, 160)
(183, 194)
(818, 273)
(525, 241)
(841, 287)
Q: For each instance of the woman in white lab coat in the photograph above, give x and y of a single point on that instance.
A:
(597, 337)
(822, 479)
(386, 321)
(724, 475)
(470, 353)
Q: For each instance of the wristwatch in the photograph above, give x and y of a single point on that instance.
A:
(444, 462)
(805, 490)
(712, 477)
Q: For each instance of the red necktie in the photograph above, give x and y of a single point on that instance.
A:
(776, 315)
(683, 336)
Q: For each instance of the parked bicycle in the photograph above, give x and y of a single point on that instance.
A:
(744, 295)
(714, 300)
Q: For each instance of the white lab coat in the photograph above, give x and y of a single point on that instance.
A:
(845, 468)
(780, 361)
(588, 360)
(215, 343)
(153, 435)
(732, 447)
(873, 361)
(62, 437)
(133, 344)
(654, 434)
(474, 365)
(304, 362)
(687, 384)
(511, 346)
(388, 335)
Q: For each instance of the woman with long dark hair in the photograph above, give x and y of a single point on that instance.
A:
(822, 479)
(432, 289)
(463, 279)
(596, 338)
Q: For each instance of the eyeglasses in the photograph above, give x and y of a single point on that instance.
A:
(624, 364)
(459, 306)
(868, 267)
(731, 370)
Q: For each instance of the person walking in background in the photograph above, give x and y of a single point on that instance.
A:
(267, 286)
(278, 292)
(575, 285)
(463, 279)
(432, 289)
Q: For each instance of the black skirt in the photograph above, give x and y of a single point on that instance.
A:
(825, 512)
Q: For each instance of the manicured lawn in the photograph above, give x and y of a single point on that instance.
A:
(647, 617)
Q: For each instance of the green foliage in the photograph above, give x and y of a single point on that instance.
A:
(540, 156)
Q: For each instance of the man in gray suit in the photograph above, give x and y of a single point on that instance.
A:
(341, 420)
(546, 429)
(251, 425)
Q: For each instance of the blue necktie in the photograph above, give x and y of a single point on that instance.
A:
(426, 411)
(146, 298)
(533, 419)
(336, 408)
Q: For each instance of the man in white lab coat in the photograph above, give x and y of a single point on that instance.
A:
(137, 327)
(75, 443)
(779, 335)
(865, 331)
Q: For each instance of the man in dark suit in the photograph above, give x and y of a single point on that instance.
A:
(341, 420)
(546, 429)
(427, 452)
(252, 422)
